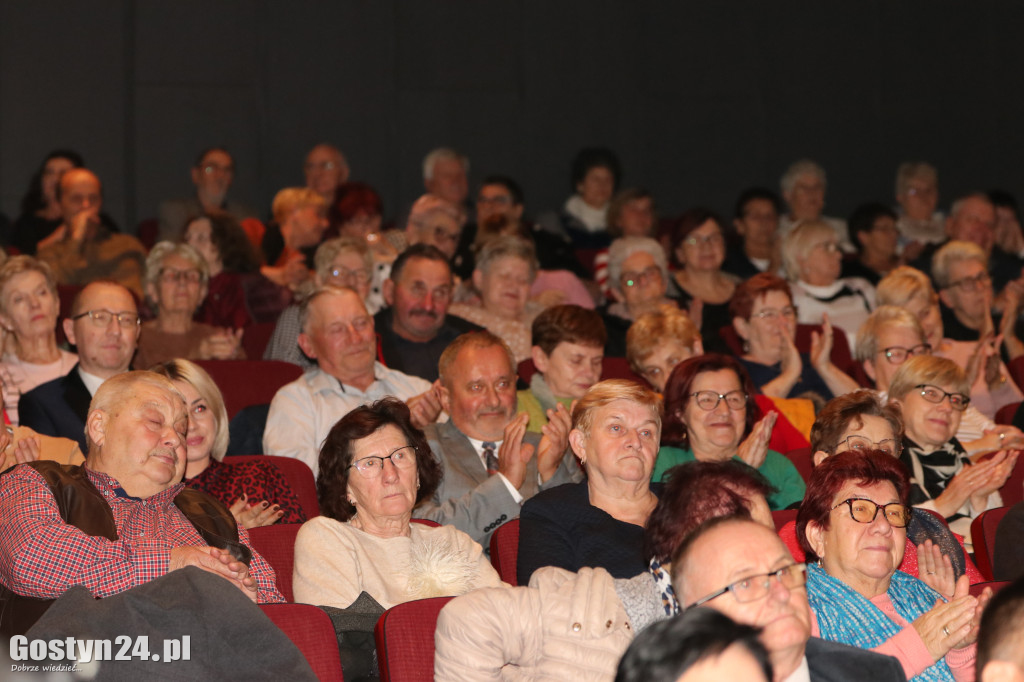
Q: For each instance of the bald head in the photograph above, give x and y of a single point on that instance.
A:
(104, 325)
(79, 191)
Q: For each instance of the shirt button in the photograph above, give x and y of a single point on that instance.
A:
(576, 627)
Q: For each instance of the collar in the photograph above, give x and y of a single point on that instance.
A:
(801, 674)
(320, 381)
(91, 381)
(109, 487)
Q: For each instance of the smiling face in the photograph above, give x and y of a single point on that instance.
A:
(505, 287)
(392, 494)
(479, 392)
(702, 250)
(862, 555)
(929, 424)
(103, 350)
(972, 299)
(622, 444)
(571, 369)
(768, 327)
(714, 434)
(29, 306)
(202, 424)
(495, 200)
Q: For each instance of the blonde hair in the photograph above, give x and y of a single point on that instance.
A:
(17, 265)
(799, 242)
(206, 387)
(955, 252)
(927, 369)
(651, 330)
(291, 198)
(884, 317)
(903, 285)
(329, 250)
(608, 391)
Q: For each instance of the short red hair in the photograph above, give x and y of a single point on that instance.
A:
(747, 293)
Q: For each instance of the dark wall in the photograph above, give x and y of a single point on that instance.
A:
(699, 99)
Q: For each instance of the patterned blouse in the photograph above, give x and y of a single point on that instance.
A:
(258, 480)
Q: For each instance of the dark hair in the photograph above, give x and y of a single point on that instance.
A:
(509, 184)
(236, 251)
(595, 157)
(215, 148)
(665, 650)
(840, 412)
(1001, 637)
(753, 193)
(421, 250)
(1000, 198)
(568, 324)
(746, 294)
(354, 198)
(694, 493)
(33, 200)
(680, 386)
(336, 454)
(690, 221)
(863, 220)
(866, 467)
(619, 202)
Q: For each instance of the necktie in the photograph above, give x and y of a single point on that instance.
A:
(490, 458)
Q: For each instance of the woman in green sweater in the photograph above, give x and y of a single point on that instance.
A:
(711, 415)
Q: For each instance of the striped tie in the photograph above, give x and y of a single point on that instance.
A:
(490, 458)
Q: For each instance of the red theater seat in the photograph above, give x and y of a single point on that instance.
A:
(505, 551)
(405, 640)
(311, 630)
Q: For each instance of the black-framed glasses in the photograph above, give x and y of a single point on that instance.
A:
(361, 276)
(981, 280)
(865, 511)
(708, 400)
(863, 443)
(371, 467)
(758, 586)
(934, 394)
(897, 355)
(102, 318)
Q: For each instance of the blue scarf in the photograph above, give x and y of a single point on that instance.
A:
(847, 617)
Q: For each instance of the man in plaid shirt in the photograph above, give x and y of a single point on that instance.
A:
(136, 431)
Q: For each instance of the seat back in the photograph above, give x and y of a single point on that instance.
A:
(312, 631)
(405, 640)
(276, 544)
(1006, 413)
(996, 585)
(1012, 491)
(505, 551)
(983, 535)
(803, 461)
(249, 382)
(297, 473)
(783, 516)
(256, 339)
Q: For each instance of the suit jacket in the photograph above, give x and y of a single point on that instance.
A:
(471, 500)
(58, 408)
(835, 662)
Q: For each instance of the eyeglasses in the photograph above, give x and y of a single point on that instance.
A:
(865, 511)
(708, 400)
(861, 443)
(175, 276)
(361, 276)
(827, 247)
(371, 467)
(102, 318)
(323, 165)
(979, 281)
(757, 586)
(497, 200)
(632, 279)
(698, 240)
(897, 355)
(789, 312)
(212, 168)
(934, 394)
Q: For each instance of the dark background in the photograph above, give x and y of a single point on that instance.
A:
(699, 99)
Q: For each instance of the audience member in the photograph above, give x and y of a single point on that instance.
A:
(876, 238)
(757, 223)
(41, 212)
(630, 214)
(1008, 234)
(212, 175)
(446, 175)
(357, 212)
(104, 326)
(917, 193)
(960, 271)
(803, 187)
(638, 281)
(1001, 637)
(584, 217)
(124, 518)
(326, 170)
(659, 340)
(300, 219)
(434, 221)
(229, 257)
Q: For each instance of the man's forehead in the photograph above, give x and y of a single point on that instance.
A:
(342, 306)
(109, 296)
(425, 269)
(735, 545)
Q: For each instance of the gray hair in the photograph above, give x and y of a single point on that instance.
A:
(437, 155)
(306, 305)
(329, 250)
(624, 247)
(954, 252)
(958, 204)
(909, 170)
(507, 245)
(421, 215)
(883, 317)
(801, 167)
(799, 242)
(111, 394)
(155, 262)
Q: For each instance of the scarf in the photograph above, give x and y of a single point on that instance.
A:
(594, 219)
(833, 292)
(847, 617)
(931, 471)
(663, 584)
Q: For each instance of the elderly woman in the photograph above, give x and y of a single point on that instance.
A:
(176, 284)
(568, 347)
(577, 625)
(803, 187)
(638, 282)
(961, 273)
(256, 492)
(505, 269)
(699, 251)
(600, 521)
(811, 256)
(876, 238)
(764, 316)
(658, 341)
(343, 261)
(28, 312)
(932, 393)
(711, 416)
(375, 466)
(853, 525)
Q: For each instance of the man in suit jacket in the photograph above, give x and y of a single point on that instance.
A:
(726, 552)
(104, 325)
(490, 463)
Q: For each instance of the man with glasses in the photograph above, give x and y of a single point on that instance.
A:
(212, 175)
(326, 169)
(104, 326)
(742, 569)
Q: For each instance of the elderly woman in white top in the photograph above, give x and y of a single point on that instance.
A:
(813, 260)
(28, 312)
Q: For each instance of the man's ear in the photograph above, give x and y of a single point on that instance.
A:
(819, 457)
(69, 330)
(306, 344)
(95, 426)
(741, 227)
(388, 291)
(540, 359)
(445, 396)
(816, 538)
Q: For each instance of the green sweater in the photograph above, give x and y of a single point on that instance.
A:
(527, 402)
(779, 471)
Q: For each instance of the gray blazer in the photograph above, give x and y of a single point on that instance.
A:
(471, 500)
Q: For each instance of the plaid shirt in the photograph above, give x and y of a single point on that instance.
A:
(42, 556)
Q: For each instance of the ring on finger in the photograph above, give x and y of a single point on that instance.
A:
(945, 630)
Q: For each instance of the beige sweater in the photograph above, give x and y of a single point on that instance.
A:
(334, 562)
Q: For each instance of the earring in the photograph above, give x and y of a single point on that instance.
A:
(746, 346)
(351, 501)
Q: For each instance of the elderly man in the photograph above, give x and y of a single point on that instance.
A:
(803, 187)
(415, 328)
(338, 333)
(104, 325)
(83, 249)
(445, 175)
(326, 169)
(490, 463)
(742, 569)
(121, 519)
(212, 175)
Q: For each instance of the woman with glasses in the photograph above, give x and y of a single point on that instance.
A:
(813, 261)
(960, 270)
(375, 467)
(638, 283)
(176, 284)
(699, 282)
(932, 392)
(764, 316)
(853, 526)
(711, 416)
